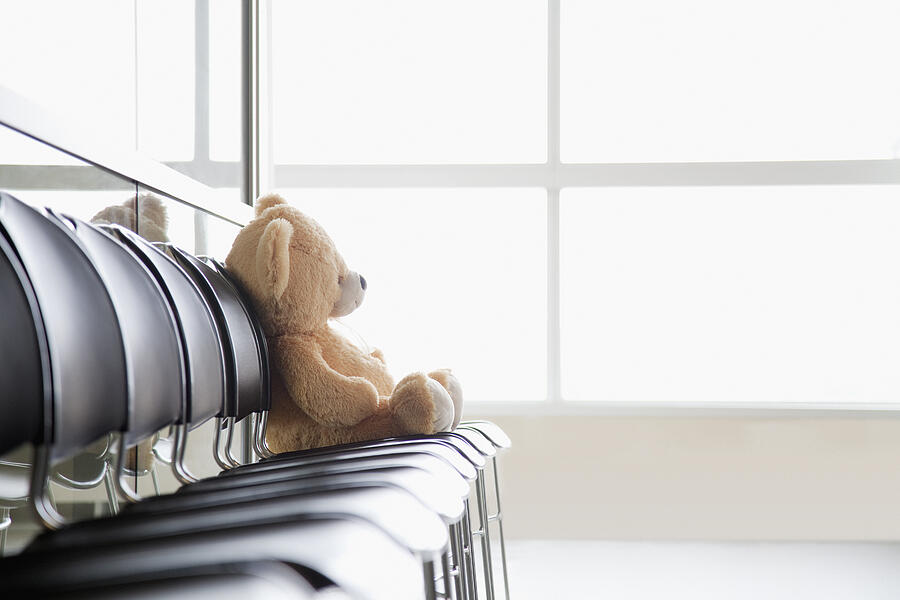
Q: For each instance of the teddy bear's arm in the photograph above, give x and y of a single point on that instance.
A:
(347, 358)
(327, 396)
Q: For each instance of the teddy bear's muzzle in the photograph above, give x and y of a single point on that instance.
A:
(353, 290)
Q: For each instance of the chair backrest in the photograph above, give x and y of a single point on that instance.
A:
(88, 375)
(201, 345)
(152, 348)
(259, 335)
(24, 371)
(243, 371)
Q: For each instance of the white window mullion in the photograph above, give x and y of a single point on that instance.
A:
(554, 384)
(555, 174)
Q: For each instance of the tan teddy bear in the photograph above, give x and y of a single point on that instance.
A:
(325, 390)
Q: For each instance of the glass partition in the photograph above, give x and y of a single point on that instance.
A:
(48, 177)
(62, 182)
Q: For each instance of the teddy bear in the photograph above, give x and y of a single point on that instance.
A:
(325, 389)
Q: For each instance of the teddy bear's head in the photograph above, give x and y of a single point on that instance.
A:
(291, 270)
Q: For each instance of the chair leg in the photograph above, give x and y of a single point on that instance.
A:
(429, 580)
(499, 518)
(5, 522)
(449, 589)
(468, 549)
(458, 568)
(111, 495)
(485, 536)
(154, 478)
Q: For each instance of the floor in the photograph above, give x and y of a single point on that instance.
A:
(560, 570)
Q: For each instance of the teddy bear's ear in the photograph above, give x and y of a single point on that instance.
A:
(273, 259)
(267, 201)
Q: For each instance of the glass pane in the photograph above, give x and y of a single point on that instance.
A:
(409, 81)
(75, 58)
(773, 294)
(165, 70)
(164, 219)
(456, 278)
(701, 80)
(225, 80)
(220, 236)
(77, 188)
(18, 149)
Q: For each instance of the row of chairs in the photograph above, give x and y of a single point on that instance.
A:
(103, 334)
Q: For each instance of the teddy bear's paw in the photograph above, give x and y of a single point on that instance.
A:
(421, 405)
(444, 413)
(450, 383)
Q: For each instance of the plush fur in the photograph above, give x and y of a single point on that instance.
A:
(325, 390)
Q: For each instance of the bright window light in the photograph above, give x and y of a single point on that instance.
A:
(225, 80)
(165, 70)
(456, 278)
(19, 149)
(409, 81)
(741, 294)
(74, 58)
(704, 80)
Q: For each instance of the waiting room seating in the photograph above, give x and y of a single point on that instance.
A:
(105, 335)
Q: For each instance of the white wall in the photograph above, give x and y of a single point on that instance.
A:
(701, 478)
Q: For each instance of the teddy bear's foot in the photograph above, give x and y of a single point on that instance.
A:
(422, 404)
(451, 384)
(444, 412)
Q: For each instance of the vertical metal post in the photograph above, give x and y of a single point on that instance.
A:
(250, 164)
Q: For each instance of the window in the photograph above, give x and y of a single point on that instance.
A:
(158, 76)
(637, 205)
(690, 210)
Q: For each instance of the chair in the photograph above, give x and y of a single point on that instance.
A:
(361, 482)
(270, 580)
(354, 554)
(57, 276)
(154, 367)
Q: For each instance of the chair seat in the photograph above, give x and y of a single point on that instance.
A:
(431, 492)
(396, 512)
(437, 467)
(356, 555)
(449, 454)
(269, 580)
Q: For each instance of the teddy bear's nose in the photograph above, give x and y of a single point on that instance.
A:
(362, 282)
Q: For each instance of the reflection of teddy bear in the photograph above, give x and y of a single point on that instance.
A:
(154, 221)
(325, 390)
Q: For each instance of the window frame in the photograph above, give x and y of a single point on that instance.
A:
(258, 172)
